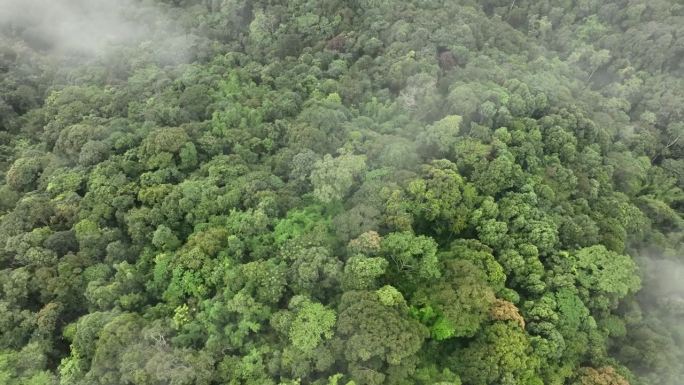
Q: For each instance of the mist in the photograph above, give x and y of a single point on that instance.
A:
(88, 28)
(664, 283)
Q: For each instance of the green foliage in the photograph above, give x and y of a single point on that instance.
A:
(457, 305)
(301, 222)
(164, 239)
(439, 138)
(332, 178)
(413, 258)
(373, 333)
(311, 268)
(311, 325)
(605, 274)
(390, 296)
(362, 273)
(23, 173)
(500, 354)
(343, 192)
(442, 198)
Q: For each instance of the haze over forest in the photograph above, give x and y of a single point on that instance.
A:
(362, 192)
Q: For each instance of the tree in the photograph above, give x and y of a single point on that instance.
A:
(438, 139)
(602, 376)
(313, 269)
(351, 223)
(164, 239)
(303, 222)
(412, 258)
(457, 305)
(73, 139)
(26, 366)
(333, 178)
(480, 256)
(441, 198)
(499, 354)
(24, 173)
(312, 324)
(363, 273)
(376, 336)
(604, 276)
(265, 280)
(368, 243)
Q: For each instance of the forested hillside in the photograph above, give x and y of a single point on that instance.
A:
(360, 192)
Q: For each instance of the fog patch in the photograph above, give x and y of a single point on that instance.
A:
(664, 283)
(89, 27)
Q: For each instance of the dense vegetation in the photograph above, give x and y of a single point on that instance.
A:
(347, 192)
